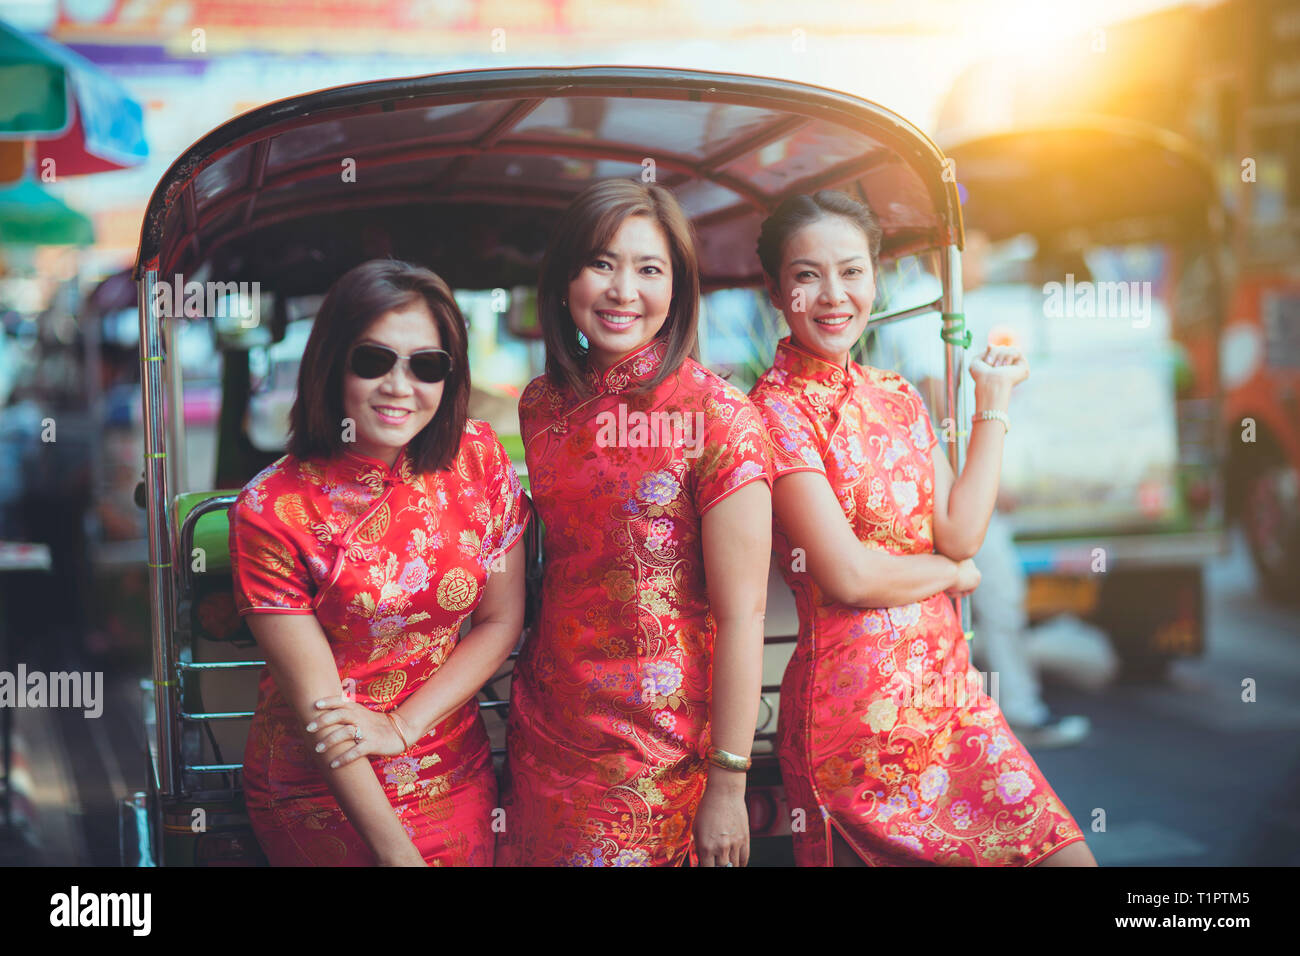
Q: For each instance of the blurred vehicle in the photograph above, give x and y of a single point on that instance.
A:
(1104, 270)
(466, 173)
(275, 387)
(1221, 75)
(1261, 371)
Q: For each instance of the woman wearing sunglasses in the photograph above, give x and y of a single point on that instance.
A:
(633, 704)
(357, 557)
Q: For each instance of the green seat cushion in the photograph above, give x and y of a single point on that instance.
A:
(212, 533)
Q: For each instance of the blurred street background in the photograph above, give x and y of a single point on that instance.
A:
(1151, 485)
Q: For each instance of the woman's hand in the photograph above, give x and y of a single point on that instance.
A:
(1000, 365)
(968, 579)
(722, 822)
(337, 720)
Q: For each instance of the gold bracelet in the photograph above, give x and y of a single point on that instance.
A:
(987, 416)
(392, 717)
(728, 761)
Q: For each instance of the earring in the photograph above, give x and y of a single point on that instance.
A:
(564, 302)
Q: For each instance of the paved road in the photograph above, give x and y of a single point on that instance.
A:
(1188, 773)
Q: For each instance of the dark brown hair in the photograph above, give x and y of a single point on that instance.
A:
(799, 211)
(584, 230)
(357, 299)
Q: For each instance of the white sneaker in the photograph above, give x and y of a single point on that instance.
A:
(1054, 732)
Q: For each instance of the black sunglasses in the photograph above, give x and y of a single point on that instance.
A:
(375, 361)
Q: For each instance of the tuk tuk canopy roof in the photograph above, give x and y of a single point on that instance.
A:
(1100, 176)
(467, 172)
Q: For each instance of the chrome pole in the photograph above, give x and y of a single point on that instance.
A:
(174, 379)
(160, 550)
(954, 373)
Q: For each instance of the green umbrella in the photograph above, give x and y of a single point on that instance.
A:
(31, 216)
(34, 83)
(82, 117)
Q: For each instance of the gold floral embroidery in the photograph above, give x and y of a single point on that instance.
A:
(619, 585)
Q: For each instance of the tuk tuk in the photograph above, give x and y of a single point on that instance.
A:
(466, 173)
(1104, 266)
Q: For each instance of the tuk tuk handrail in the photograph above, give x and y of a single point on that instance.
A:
(218, 715)
(158, 521)
(218, 665)
(884, 318)
(954, 372)
(186, 537)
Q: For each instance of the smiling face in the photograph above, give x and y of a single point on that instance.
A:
(391, 410)
(619, 300)
(826, 287)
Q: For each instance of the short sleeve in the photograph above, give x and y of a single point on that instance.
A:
(793, 444)
(509, 507)
(734, 452)
(537, 405)
(267, 562)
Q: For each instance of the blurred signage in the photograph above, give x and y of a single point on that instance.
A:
(1278, 42)
(501, 25)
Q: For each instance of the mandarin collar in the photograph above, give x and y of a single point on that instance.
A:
(631, 370)
(801, 363)
(373, 471)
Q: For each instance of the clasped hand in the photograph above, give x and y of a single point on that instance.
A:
(999, 365)
(338, 719)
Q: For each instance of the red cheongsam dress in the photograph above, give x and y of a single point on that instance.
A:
(609, 706)
(390, 562)
(885, 732)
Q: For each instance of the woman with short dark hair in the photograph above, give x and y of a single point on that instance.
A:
(357, 558)
(634, 700)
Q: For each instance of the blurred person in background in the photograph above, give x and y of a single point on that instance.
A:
(47, 421)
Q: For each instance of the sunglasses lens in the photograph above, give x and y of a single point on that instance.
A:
(430, 367)
(370, 361)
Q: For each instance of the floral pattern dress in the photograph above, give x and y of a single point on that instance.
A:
(391, 563)
(609, 705)
(885, 731)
